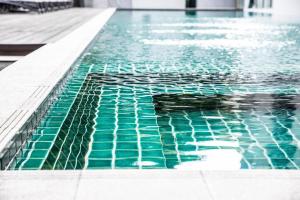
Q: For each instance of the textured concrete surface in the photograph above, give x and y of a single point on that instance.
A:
(4, 64)
(42, 28)
(150, 184)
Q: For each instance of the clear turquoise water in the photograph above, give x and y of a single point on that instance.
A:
(204, 90)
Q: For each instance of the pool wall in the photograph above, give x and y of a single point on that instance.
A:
(28, 86)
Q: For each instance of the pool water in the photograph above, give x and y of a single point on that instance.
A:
(177, 90)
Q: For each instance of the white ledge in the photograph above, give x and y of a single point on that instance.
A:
(150, 185)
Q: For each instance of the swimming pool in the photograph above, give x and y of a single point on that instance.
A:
(177, 90)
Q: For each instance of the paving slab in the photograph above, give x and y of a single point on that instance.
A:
(258, 184)
(150, 184)
(38, 186)
(137, 185)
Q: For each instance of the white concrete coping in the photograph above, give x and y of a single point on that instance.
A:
(10, 58)
(150, 185)
(26, 83)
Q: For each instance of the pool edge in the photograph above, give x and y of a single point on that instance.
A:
(150, 184)
(28, 83)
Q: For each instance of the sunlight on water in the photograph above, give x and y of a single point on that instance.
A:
(227, 32)
(239, 25)
(219, 159)
(215, 143)
(219, 43)
(222, 43)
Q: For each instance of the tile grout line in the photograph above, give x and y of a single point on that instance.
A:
(139, 162)
(90, 146)
(207, 185)
(236, 139)
(58, 156)
(85, 92)
(77, 186)
(82, 137)
(115, 132)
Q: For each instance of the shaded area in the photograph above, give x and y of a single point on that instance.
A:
(71, 144)
(190, 78)
(282, 123)
(33, 6)
(192, 102)
(186, 121)
(4, 64)
(18, 49)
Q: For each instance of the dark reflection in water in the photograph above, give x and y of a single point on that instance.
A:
(183, 79)
(191, 13)
(175, 102)
(282, 108)
(71, 143)
(171, 107)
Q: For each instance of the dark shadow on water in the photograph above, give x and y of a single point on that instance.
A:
(282, 109)
(172, 107)
(191, 13)
(188, 78)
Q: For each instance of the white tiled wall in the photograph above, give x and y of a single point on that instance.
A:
(108, 3)
(216, 4)
(291, 7)
(167, 4)
(163, 4)
(180, 4)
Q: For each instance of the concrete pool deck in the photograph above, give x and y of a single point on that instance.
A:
(22, 33)
(42, 28)
(150, 184)
(25, 84)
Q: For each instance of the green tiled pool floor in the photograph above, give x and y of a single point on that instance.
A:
(147, 105)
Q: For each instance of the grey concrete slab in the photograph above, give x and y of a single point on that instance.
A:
(146, 185)
(256, 184)
(53, 185)
(150, 184)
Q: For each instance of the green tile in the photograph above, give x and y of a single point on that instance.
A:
(127, 145)
(39, 154)
(42, 145)
(152, 153)
(129, 163)
(33, 164)
(127, 138)
(126, 153)
(94, 164)
(102, 145)
(100, 154)
(103, 137)
(151, 145)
